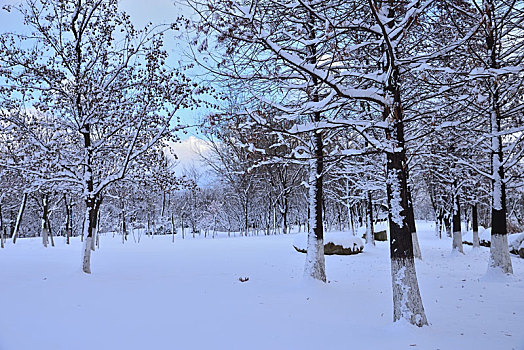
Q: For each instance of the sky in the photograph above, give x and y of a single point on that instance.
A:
(141, 12)
(187, 152)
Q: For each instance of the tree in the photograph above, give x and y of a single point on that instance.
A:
(317, 53)
(492, 79)
(104, 85)
(502, 79)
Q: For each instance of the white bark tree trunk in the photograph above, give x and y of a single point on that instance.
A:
(407, 303)
(457, 241)
(370, 240)
(19, 218)
(475, 226)
(476, 239)
(45, 231)
(499, 258)
(86, 262)
(457, 230)
(417, 253)
(51, 238)
(499, 251)
(45, 235)
(315, 261)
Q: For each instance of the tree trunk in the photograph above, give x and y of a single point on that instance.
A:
(89, 231)
(348, 207)
(94, 241)
(173, 226)
(315, 261)
(214, 226)
(91, 200)
(438, 224)
(284, 216)
(475, 225)
(370, 231)
(410, 218)
(467, 219)
(124, 226)
(268, 219)
(407, 302)
(97, 230)
(274, 219)
(353, 220)
(499, 251)
(182, 224)
(68, 220)
(457, 231)
(12, 225)
(246, 216)
(50, 232)
(45, 230)
(2, 236)
(19, 218)
(162, 212)
(447, 224)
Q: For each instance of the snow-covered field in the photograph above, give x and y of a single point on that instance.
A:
(187, 295)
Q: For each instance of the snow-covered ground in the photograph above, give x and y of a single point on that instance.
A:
(187, 295)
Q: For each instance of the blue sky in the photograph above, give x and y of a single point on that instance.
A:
(141, 11)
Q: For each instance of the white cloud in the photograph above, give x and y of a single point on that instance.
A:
(188, 151)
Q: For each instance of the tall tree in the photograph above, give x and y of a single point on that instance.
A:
(104, 85)
(492, 78)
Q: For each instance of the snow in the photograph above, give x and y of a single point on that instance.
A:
(395, 203)
(484, 234)
(344, 239)
(516, 241)
(187, 295)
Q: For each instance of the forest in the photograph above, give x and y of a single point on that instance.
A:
(396, 125)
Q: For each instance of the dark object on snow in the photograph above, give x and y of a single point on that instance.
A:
(516, 244)
(483, 243)
(519, 252)
(243, 279)
(381, 236)
(333, 249)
